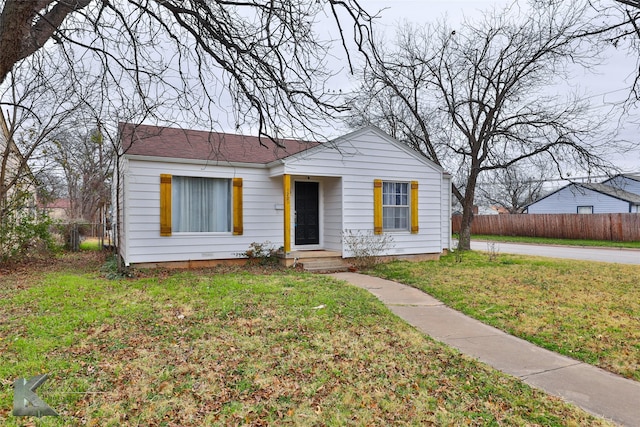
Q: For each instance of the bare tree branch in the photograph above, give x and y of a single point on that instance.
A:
(632, 3)
(269, 58)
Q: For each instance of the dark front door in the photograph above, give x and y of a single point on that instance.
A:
(307, 213)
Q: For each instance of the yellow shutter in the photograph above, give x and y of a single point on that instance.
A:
(414, 207)
(165, 205)
(377, 206)
(237, 207)
(286, 194)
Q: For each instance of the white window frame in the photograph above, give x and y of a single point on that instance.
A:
(392, 201)
(584, 210)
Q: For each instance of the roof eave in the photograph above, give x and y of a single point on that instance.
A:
(142, 158)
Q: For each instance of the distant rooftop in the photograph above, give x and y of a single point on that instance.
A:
(633, 176)
(58, 204)
(613, 192)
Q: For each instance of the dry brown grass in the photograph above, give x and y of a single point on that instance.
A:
(586, 310)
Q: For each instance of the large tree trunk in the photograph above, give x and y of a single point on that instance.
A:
(23, 31)
(464, 240)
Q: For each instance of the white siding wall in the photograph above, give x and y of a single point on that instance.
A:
(368, 156)
(569, 198)
(262, 221)
(118, 206)
(626, 184)
(332, 192)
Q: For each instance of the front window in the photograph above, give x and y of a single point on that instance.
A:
(201, 204)
(395, 206)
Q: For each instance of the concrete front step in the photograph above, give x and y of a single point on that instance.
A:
(324, 265)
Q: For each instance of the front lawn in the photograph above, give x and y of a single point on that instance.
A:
(586, 310)
(225, 347)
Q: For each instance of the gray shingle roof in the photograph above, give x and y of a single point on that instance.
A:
(633, 176)
(613, 192)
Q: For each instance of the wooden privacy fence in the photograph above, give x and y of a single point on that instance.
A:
(621, 227)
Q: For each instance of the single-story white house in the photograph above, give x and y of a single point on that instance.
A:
(196, 198)
(586, 198)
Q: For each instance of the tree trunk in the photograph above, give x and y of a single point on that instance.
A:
(21, 34)
(464, 240)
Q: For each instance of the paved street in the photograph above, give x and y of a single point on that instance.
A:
(622, 256)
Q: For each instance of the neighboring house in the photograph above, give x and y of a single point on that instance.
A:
(196, 196)
(58, 209)
(625, 182)
(585, 198)
(490, 210)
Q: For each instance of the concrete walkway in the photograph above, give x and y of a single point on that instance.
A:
(595, 390)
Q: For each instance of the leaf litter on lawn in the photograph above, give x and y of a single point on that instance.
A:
(228, 347)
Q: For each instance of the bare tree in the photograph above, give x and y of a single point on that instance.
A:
(37, 104)
(479, 97)
(632, 3)
(188, 56)
(86, 163)
(513, 188)
(621, 29)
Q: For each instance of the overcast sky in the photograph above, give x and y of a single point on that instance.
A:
(608, 84)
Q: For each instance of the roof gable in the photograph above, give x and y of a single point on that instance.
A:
(176, 143)
(341, 141)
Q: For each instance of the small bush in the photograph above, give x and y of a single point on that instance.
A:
(25, 232)
(366, 247)
(112, 272)
(457, 252)
(493, 251)
(261, 253)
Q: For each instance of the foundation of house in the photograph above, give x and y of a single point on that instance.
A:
(318, 261)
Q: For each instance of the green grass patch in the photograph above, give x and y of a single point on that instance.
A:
(586, 310)
(220, 347)
(549, 241)
(90, 245)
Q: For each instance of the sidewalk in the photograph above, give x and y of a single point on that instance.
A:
(595, 390)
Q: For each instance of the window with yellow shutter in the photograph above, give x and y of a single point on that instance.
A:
(199, 204)
(395, 206)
